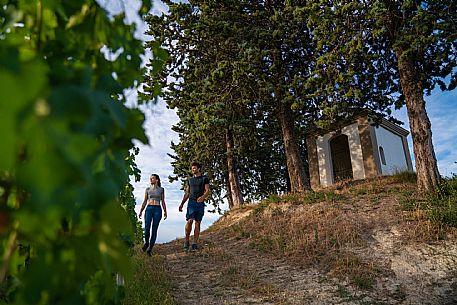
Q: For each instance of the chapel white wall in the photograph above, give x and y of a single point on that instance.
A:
(393, 151)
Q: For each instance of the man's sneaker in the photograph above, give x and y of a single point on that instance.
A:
(149, 251)
(194, 247)
(186, 246)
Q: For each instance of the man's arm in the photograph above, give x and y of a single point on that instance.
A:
(205, 194)
(184, 198)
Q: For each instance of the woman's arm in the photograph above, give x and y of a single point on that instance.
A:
(144, 203)
(164, 206)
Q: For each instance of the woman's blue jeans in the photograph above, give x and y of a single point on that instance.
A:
(153, 215)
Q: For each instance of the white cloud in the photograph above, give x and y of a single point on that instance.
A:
(159, 8)
(153, 158)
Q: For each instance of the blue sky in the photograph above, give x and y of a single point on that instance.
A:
(153, 158)
(442, 112)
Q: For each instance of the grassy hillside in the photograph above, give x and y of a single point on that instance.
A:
(364, 242)
(334, 229)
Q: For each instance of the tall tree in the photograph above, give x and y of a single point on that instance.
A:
(238, 68)
(211, 89)
(372, 50)
(204, 98)
(285, 51)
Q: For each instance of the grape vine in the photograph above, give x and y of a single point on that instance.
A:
(66, 151)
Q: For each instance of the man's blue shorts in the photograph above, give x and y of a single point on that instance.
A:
(195, 210)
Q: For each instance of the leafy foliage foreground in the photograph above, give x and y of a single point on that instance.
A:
(65, 153)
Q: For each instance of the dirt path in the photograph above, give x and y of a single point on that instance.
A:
(229, 272)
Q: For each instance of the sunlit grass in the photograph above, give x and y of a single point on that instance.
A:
(440, 206)
(150, 282)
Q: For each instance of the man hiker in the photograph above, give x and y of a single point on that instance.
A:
(197, 189)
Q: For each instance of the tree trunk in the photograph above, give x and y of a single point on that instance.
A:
(419, 123)
(229, 193)
(233, 180)
(298, 180)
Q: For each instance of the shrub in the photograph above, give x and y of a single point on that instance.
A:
(442, 204)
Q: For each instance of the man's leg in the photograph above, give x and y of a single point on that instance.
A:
(197, 231)
(188, 228)
(198, 220)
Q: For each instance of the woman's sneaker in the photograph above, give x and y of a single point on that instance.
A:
(186, 246)
(145, 247)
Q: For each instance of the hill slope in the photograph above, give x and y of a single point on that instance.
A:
(348, 245)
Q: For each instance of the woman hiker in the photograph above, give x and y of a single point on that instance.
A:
(154, 196)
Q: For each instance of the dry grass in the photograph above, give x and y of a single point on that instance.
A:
(361, 273)
(304, 233)
(323, 228)
(235, 275)
(216, 254)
